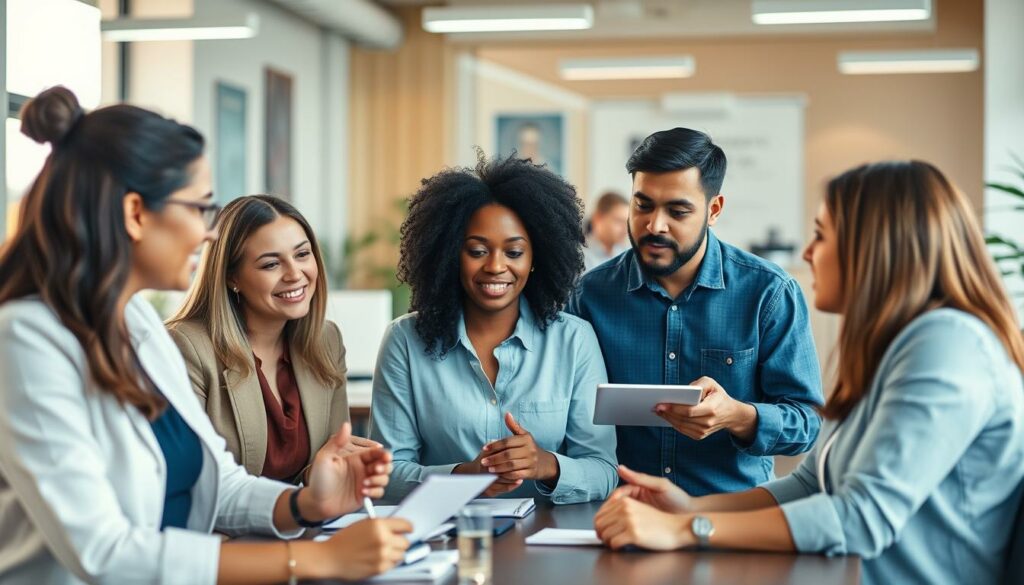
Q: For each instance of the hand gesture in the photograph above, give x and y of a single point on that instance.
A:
(658, 492)
(518, 457)
(341, 478)
(716, 411)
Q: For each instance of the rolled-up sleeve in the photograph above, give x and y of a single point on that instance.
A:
(789, 379)
(801, 483)
(934, 400)
(587, 460)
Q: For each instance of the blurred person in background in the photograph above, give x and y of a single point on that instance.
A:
(607, 233)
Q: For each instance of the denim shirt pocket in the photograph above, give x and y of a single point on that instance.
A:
(546, 420)
(733, 369)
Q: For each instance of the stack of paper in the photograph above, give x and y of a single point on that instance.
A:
(438, 564)
(509, 507)
(564, 537)
(349, 519)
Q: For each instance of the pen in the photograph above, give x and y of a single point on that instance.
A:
(368, 505)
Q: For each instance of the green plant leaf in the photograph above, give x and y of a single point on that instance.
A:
(1005, 188)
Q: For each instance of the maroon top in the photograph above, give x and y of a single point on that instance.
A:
(287, 438)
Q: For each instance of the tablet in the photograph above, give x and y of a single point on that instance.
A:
(632, 405)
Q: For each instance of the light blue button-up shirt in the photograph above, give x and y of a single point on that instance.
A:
(436, 413)
(924, 476)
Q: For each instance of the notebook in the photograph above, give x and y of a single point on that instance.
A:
(436, 566)
(509, 507)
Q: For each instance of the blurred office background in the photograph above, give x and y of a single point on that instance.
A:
(342, 106)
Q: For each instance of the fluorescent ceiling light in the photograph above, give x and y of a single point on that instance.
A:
(833, 11)
(928, 61)
(628, 68)
(534, 17)
(180, 29)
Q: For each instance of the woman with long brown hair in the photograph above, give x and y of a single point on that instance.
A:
(109, 470)
(264, 362)
(919, 469)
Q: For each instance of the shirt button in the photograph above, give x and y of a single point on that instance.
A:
(668, 470)
(675, 308)
(728, 361)
(493, 401)
(671, 355)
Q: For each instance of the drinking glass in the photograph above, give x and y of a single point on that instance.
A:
(474, 525)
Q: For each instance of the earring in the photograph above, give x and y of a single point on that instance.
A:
(238, 297)
(532, 268)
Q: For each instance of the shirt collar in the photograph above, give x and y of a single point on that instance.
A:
(709, 275)
(525, 331)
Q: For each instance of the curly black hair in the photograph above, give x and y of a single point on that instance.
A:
(433, 232)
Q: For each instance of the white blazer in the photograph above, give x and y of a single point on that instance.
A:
(82, 478)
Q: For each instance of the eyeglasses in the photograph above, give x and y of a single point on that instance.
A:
(209, 211)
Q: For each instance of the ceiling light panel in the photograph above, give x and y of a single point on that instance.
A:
(515, 18)
(895, 62)
(675, 67)
(769, 12)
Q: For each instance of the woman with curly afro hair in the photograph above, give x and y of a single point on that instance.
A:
(486, 374)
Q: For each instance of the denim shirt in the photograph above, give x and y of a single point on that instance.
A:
(744, 323)
(436, 413)
(923, 478)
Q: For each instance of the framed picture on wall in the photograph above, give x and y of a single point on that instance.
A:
(278, 141)
(539, 137)
(230, 110)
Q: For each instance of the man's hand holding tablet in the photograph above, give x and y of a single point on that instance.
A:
(715, 411)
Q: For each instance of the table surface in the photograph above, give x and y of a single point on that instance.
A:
(516, 563)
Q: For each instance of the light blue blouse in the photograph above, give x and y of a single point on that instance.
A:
(434, 414)
(924, 477)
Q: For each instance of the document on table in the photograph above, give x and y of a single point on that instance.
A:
(437, 534)
(437, 499)
(437, 565)
(508, 507)
(564, 537)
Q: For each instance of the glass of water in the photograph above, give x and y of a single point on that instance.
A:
(475, 542)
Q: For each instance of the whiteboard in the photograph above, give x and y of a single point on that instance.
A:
(763, 140)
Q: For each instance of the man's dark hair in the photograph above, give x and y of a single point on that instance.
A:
(432, 240)
(679, 149)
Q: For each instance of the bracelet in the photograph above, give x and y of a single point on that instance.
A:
(292, 578)
(293, 504)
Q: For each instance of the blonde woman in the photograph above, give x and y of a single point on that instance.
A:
(266, 365)
(920, 463)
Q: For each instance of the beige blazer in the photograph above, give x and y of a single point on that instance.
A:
(234, 402)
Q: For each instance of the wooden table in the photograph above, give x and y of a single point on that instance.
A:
(518, 564)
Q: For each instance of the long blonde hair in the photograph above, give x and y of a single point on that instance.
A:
(908, 243)
(210, 302)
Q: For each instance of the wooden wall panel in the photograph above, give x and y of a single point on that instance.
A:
(400, 132)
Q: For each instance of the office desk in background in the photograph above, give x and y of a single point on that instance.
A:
(515, 563)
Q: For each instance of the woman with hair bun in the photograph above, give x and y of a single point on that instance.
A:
(110, 472)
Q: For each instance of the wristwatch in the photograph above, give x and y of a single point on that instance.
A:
(703, 529)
